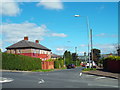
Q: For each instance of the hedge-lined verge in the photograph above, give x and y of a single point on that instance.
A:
(20, 62)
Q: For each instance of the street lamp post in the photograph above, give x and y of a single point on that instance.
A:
(88, 30)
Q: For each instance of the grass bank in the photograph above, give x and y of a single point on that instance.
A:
(89, 69)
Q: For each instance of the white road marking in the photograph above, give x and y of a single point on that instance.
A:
(4, 80)
(102, 85)
(43, 74)
(89, 75)
(100, 77)
(80, 74)
(41, 81)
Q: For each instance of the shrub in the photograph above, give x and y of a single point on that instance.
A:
(20, 62)
(58, 63)
(112, 58)
(50, 60)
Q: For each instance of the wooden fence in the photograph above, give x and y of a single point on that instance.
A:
(47, 65)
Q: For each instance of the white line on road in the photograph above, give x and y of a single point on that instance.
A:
(102, 85)
(4, 80)
(80, 74)
(41, 81)
(100, 77)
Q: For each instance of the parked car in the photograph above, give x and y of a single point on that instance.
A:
(69, 66)
(84, 65)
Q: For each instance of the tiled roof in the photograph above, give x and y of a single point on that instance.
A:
(27, 44)
(55, 56)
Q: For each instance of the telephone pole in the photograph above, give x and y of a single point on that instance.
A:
(91, 47)
(76, 54)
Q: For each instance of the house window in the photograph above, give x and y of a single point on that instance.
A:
(34, 52)
(19, 51)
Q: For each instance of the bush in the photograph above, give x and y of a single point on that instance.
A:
(20, 62)
(58, 63)
(112, 58)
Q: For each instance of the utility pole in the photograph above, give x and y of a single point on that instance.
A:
(85, 57)
(76, 54)
(91, 47)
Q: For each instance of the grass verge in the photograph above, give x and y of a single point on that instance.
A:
(89, 69)
(47, 70)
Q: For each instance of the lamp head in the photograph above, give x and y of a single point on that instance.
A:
(77, 15)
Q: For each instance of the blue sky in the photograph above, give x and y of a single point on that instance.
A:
(56, 27)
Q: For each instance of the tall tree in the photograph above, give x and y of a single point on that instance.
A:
(67, 57)
(74, 56)
(95, 55)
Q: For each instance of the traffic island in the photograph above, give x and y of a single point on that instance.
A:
(101, 72)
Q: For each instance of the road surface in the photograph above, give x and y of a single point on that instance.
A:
(68, 78)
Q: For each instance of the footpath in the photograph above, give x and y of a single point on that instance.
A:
(101, 72)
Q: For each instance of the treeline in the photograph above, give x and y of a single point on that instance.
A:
(20, 62)
(71, 58)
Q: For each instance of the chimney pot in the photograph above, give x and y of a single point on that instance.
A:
(25, 38)
(37, 41)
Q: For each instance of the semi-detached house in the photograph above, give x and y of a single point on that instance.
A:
(28, 48)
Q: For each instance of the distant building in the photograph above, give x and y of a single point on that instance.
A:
(54, 56)
(107, 55)
(28, 48)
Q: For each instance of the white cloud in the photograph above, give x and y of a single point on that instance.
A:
(101, 34)
(106, 35)
(102, 7)
(51, 4)
(105, 48)
(83, 45)
(58, 35)
(9, 8)
(60, 49)
(15, 32)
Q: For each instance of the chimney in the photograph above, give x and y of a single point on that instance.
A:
(26, 38)
(37, 41)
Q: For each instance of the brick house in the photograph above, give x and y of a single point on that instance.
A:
(28, 48)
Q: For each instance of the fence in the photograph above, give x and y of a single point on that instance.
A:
(111, 65)
(47, 65)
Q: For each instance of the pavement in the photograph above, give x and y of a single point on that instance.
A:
(101, 72)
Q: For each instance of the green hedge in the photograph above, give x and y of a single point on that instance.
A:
(112, 58)
(20, 62)
(58, 64)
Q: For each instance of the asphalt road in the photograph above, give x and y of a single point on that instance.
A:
(69, 78)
